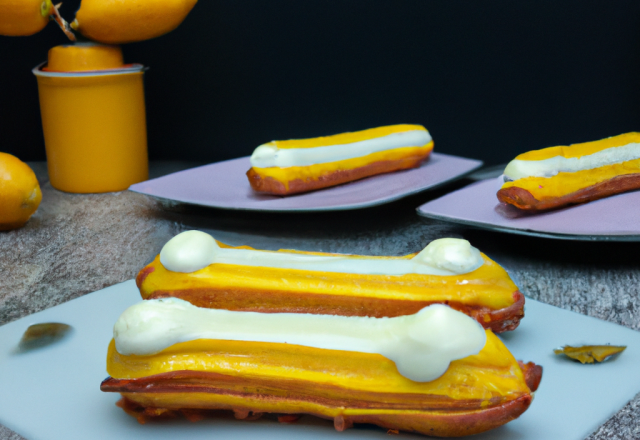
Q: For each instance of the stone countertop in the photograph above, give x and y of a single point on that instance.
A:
(76, 244)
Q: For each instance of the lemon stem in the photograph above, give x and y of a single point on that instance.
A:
(64, 25)
(45, 8)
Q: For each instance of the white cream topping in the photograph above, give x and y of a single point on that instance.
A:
(194, 250)
(421, 345)
(519, 169)
(266, 155)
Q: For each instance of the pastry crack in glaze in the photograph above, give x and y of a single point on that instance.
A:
(191, 251)
(421, 345)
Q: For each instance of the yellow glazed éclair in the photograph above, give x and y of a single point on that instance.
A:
(168, 356)
(300, 165)
(559, 176)
(349, 285)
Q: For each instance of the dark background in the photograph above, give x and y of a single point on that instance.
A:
(489, 79)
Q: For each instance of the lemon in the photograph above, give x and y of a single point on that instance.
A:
(24, 17)
(20, 193)
(125, 21)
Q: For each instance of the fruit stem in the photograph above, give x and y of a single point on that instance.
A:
(55, 16)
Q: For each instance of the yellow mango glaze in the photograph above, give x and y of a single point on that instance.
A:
(582, 149)
(309, 172)
(492, 375)
(565, 183)
(488, 286)
(345, 138)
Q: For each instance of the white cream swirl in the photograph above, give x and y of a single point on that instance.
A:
(421, 345)
(194, 250)
(268, 155)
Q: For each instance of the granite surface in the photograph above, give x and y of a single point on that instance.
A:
(77, 244)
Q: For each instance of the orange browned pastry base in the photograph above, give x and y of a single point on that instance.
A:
(523, 199)
(245, 300)
(272, 186)
(430, 415)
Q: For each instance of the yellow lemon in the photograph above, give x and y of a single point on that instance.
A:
(24, 17)
(124, 21)
(20, 192)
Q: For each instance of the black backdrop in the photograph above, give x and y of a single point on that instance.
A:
(488, 78)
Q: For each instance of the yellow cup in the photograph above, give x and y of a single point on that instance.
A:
(94, 127)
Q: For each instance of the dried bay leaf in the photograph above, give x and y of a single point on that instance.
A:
(40, 335)
(588, 354)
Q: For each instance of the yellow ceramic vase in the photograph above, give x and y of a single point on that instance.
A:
(93, 120)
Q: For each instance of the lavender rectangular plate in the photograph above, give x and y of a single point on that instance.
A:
(53, 393)
(225, 185)
(613, 218)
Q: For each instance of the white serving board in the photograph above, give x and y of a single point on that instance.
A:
(53, 392)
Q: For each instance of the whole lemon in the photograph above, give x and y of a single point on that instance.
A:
(125, 21)
(24, 17)
(20, 193)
